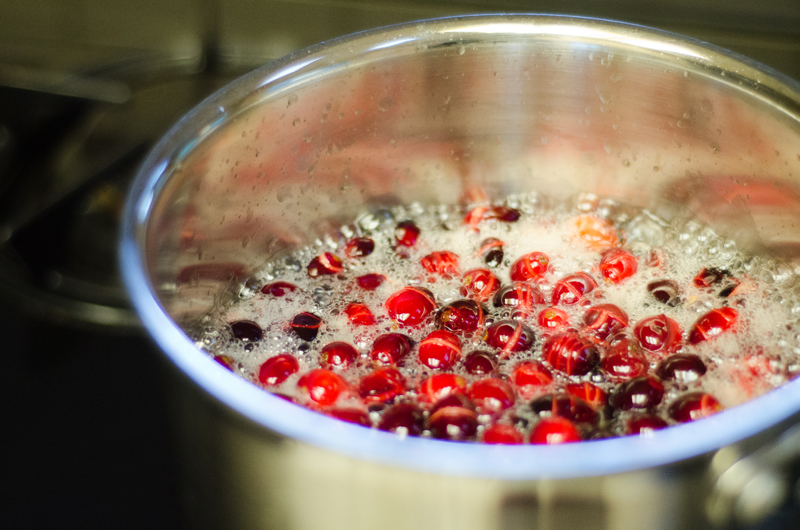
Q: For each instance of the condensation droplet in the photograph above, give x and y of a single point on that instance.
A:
(291, 100)
(296, 122)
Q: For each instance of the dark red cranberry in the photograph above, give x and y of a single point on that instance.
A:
(529, 267)
(491, 394)
(278, 289)
(339, 355)
(225, 361)
(359, 247)
(306, 326)
(553, 318)
(519, 295)
(683, 367)
(530, 377)
(322, 387)
(693, 406)
(443, 263)
(659, 334)
(325, 264)
(276, 370)
(665, 291)
(351, 415)
(439, 386)
(564, 406)
(390, 348)
(570, 353)
(359, 314)
(404, 418)
(370, 282)
(480, 284)
(617, 265)
(641, 393)
(644, 425)
(492, 252)
(453, 423)
(624, 360)
(382, 385)
(480, 363)
(410, 306)
(501, 433)
(455, 399)
(710, 276)
(246, 331)
(509, 336)
(440, 349)
(604, 320)
(554, 431)
(592, 394)
(406, 233)
(712, 324)
(572, 288)
(461, 316)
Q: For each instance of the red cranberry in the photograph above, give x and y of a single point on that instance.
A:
(439, 386)
(492, 252)
(443, 263)
(564, 406)
(684, 367)
(390, 348)
(322, 387)
(529, 267)
(351, 415)
(276, 370)
(440, 349)
(359, 247)
(359, 314)
(570, 353)
(644, 425)
(456, 399)
(604, 320)
(382, 385)
(453, 423)
(491, 394)
(693, 406)
(665, 291)
(306, 326)
(641, 393)
(410, 306)
(624, 360)
(553, 431)
(530, 377)
(499, 213)
(461, 316)
(406, 233)
(617, 265)
(225, 361)
(713, 324)
(659, 334)
(247, 331)
(588, 392)
(500, 433)
(519, 295)
(370, 282)
(509, 336)
(338, 355)
(278, 289)
(572, 288)
(480, 363)
(480, 284)
(325, 264)
(596, 233)
(710, 276)
(553, 318)
(404, 418)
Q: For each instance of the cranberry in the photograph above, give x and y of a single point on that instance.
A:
(306, 326)
(461, 316)
(595, 233)
(322, 387)
(624, 360)
(713, 324)
(325, 264)
(439, 386)
(491, 394)
(406, 233)
(530, 377)
(410, 306)
(553, 318)
(553, 431)
(359, 314)
(519, 295)
(443, 263)
(564, 406)
(710, 276)
(359, 247)
(390, 348)
(529, 267)
(276, 370)
(337, 355)
(440, 349)
(480, 363)
(351, 415)
(382, 385)
(453, 423)
(455, 399)
(641, 393)
(693, 406)
(500, 433)
(665, 291)
(278, 289)
(480, 284)
(644, 425)
(492, 252)
(247, 331)
(225, 361)
(659, 334)
(684, 367)
(499, 213)
(572, 288)
(570, 353)
(370, 282)
(593, 395)
(604, 320)
(617, 265)
(404, 418)
(509, 336)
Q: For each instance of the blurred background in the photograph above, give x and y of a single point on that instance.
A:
(86, 87)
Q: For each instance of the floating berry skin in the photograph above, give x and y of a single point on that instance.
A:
(306, 326)
(453, 423)
(530, 267)
(595, 233)
(491, 250)
(617, 265)
(713, 324)
(500, 433)
(604, 320)
(439, 386)
(564, 406)
(554, 431)
(461, 316)
(480, 284)
(530, 377)
(390, 348)
(693, 406)
(276, 370)
(382, 385)
(351, 415)
(659, 334)
(491, 394)
(359, 314)
(359, 247)
(644, 425)
(519, 295)
(406, 233)
(225, 361)
(553, 318)
(480, 363)
(246, 331)
(337, 355)
(440, 350)
(324, 265)
(624, 360)
(682, 367)
(278, 289)
(322, 387)
(591, 394)
(665, 291)
(371, 281)
(641, 393)
(572, 288)
(570, 353)
(443, 263)
(410, 306)
(483, 213)
(509, 336)
(709, 277)
(403, 418)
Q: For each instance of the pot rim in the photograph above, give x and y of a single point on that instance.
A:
(598, 457)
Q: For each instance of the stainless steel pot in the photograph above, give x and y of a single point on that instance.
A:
(424, 112)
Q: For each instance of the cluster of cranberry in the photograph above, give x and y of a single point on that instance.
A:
(584, 377)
